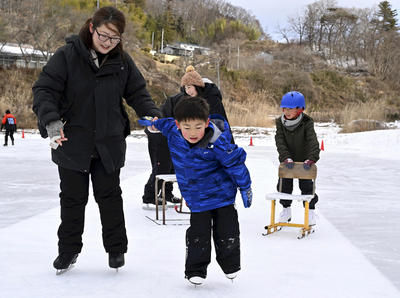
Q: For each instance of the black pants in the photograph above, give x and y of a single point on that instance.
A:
(306, 187)
(161, 163)
(9, 133)
(73, 199)
(223, 225)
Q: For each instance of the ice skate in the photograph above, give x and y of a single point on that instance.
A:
(231, 276)
(152, 205)
(116, 260)
(173, 200)
(196, 280)
(286, 215)
(312, 218)
(64, 262)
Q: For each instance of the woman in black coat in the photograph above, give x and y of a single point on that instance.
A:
(192, 84)
(78, 99)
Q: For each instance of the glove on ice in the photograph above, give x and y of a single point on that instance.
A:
(53, 130)
(307, 164)
(289, 163)
(146, 121)
(247, 196)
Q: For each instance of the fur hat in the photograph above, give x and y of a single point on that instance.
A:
(191, 77)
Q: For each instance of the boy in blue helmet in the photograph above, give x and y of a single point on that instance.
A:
(296, 141)
(209, 170)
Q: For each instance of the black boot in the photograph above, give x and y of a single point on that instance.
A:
(63, 261)
(5, 144)
(116, 259)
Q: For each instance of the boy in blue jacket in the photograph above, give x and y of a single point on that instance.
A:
(209, 169)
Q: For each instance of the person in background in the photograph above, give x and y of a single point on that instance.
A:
(192, 84)
(296, 141)
(10, 124)
(91, 145)
(209, 170)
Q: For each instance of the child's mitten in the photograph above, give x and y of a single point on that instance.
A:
(289, 163)
(145, 121)
(247, 196)
(307, 164)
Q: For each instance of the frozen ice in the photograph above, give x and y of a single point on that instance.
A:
(355, 251)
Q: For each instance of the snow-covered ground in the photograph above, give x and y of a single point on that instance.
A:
(355, 251)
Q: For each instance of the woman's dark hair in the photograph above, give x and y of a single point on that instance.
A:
(200, 91)
(104, 16)
(191, 108)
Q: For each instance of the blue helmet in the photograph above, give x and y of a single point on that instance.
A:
(293, 99)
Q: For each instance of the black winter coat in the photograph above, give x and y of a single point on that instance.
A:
(299, 144)
(100, 121)
(211, 94)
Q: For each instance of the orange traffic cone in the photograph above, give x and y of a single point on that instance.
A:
(251, 141)
(322, 146)
(23, 134)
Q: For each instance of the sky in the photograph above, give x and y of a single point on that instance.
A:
(270, 12)
(354, 252)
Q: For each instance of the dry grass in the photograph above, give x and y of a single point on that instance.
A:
(356, 117)
(363, 117)
(254, 111)
(259, 108)
(16, 95)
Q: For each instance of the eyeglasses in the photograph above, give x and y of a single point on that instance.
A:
(102, 37)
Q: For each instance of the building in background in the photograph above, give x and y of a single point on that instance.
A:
(23, 55)
(185, 49)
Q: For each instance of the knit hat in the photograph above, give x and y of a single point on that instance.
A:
(192, 78)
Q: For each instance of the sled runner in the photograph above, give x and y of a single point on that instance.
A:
(298, 172)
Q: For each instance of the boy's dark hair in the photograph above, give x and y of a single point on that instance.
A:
(192, 108)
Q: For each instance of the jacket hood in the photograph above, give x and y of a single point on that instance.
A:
(78, 44)
(211, 90)
(219, 128)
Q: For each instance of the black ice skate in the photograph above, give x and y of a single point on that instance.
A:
(64, 262)
(116, 260)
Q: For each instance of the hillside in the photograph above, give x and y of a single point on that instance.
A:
(336, 76)
(266, 72)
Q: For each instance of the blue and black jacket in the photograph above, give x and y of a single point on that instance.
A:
(210, 173)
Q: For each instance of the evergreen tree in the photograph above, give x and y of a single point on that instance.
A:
(387, 16)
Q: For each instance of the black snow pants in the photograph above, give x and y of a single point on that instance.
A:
(223, 225)
(9, 132)
(161, 163)
(73, 199)
(306, 187)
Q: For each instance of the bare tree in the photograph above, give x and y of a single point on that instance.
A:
(285, 33)
(297, 22)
